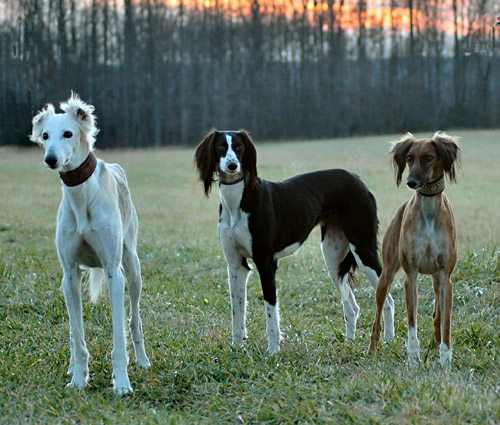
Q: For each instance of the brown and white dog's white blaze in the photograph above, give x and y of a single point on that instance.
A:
(266, 221)
(422, 237)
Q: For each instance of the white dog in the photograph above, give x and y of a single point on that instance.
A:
(97, 229)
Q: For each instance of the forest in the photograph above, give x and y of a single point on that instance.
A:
(162, 72)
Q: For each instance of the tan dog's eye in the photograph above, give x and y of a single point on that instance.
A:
(409, 158)
(429, 158)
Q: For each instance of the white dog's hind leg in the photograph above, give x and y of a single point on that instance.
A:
(132, 269)
(79, 354)
(119, 354)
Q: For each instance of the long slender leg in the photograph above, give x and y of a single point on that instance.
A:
(369, 264)
(446, 304)
(79, 355)
(335, 248)
(411, 311)
(238, 272)
(119, 354)
(381, 294)
(267, 271)
(132, 270)
(436, 315)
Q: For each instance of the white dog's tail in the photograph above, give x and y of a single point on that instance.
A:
(96, 280)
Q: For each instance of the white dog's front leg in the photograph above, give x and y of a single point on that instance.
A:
(79, 355)
(119, 354)
(238, 275)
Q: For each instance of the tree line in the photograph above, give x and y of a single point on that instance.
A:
(163, 72)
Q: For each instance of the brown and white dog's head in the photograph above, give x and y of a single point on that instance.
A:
(427, 159)
(230, 155)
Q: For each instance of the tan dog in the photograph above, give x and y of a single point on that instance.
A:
(422, 237)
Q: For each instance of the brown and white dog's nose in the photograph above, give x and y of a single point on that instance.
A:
(232, 166)
(51, 161)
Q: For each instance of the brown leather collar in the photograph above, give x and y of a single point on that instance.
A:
(432, 188)
(80, 174)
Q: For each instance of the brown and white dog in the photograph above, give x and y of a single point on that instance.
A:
(422, 237)
(265, 221)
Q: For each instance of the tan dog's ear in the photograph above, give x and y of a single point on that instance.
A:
(38, 123)
(449, 152)
(399, 151)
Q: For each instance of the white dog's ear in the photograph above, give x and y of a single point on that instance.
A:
(79, 109)
(38, 123)
(84, 115)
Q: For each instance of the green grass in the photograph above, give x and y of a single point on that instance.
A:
(197, 376)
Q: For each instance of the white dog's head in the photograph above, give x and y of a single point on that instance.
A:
(62, 134)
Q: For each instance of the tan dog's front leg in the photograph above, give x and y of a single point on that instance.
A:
(445, 305)
(411, 299)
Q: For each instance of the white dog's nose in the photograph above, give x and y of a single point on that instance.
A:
(51, 161)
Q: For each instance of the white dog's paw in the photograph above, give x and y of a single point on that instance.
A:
(143, 361)
(141, 357)
(79, 381)
(121, 385)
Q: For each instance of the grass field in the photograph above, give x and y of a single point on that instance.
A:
(197, 376)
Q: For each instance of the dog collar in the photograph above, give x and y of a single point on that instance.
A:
(231, 183)
(433, 188)
(81, 174)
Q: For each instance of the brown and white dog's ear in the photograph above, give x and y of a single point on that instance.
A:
(38, 123)
(449, 152)
(205, 160)
(249, 160)
(399, 152)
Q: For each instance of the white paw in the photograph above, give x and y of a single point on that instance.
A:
(389, 332)
(414, 358)
(445, 355)
(121, 385)
(239, 337)
(78, 381)
(274, 348)
(144, 362)
(142, 359)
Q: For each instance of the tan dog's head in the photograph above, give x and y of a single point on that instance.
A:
(427, 159)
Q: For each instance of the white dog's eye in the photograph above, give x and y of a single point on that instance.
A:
(45, 136)
(68, 134)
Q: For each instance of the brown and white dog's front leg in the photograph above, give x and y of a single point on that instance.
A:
(267, 272)
(238, 274)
